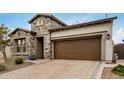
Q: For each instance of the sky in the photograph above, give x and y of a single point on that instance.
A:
(13, 20)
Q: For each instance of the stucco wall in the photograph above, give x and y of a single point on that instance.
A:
(83, 30)
(109, 44)
(87, 30)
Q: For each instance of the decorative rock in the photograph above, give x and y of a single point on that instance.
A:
(1, 58)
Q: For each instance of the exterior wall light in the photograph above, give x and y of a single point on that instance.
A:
(108, 36)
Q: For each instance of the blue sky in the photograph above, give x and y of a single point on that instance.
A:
(13, 20)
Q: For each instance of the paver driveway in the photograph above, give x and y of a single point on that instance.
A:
(55, 69)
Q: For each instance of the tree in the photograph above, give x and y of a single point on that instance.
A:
(4, 40)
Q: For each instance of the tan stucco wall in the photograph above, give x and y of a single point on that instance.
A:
(108, 50)
(83, 30)
(109, 45)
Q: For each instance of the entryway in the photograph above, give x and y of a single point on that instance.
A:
(40, 48)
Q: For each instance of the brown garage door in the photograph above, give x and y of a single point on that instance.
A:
(79, 49)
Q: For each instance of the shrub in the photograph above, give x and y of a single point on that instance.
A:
(19, 60)
(118, 70)
(2, 67)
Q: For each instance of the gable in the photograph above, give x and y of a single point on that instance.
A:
(19, 34)
(42, 24)
(47, 16)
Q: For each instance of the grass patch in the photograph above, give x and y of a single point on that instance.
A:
(118, 70)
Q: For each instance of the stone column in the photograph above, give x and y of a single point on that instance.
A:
(47, 47)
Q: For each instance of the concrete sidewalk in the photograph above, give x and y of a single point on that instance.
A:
(119, 61)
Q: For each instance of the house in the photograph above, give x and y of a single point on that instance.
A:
(51, 38)
(119, 50)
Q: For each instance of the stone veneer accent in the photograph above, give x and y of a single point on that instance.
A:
(29, 42)
(42, 31)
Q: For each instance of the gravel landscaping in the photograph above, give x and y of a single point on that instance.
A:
(107, 74)
(10, 65)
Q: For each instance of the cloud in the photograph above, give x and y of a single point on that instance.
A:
(118, 35)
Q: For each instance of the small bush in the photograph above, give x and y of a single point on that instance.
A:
(118, 70)
(19, 60)
(2, 67)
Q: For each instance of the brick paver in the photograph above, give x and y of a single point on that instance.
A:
(55, 69)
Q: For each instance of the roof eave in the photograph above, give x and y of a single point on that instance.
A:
(84, 24)
(19, 28)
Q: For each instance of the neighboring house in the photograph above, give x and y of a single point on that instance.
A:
(51, 38)
(119, 50)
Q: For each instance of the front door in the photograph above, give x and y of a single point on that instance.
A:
(39, 48)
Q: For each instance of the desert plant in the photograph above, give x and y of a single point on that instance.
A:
(2, 67)
(118, 70)
(19, 60)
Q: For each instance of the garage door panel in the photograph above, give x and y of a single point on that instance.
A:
(80, 49)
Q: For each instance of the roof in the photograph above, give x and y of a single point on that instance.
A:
(47, 15)
(84, 24)
(20, 28)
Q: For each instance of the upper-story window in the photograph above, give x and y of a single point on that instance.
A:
(40, 23)
(19, 33)
(50, 26)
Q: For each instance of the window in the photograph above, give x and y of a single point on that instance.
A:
(23, 45)
(50, 26)
(18, 33)
(40, 23)
(18, 49)
(20, 45)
